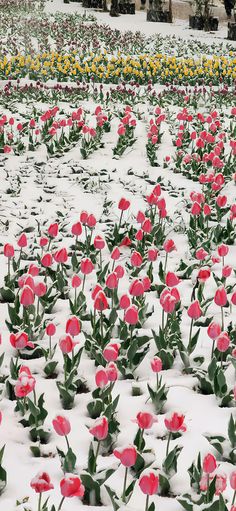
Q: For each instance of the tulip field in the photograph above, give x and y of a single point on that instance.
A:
(118, 272)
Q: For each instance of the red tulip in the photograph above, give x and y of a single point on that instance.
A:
(221, 483)
(232, 480)
(50, 329)
(66, 344)
(136, 259)
(112, 372)
(156, 364)
(100, 428)
(71, 486)
(53, 230)
(201, 254)
(167, 301)
(8, 250)
(115, 255)
(214, 330)
(226, 271)
(145, 420)
(136, 288)
(119, 270)
(101, 377)
(41, 483)
(86, 266)
(61, 425)
(169, 246)
(149, 483)
(111, 352)
(125, 302)
(61, 256)
(223, 342)
(99, 243)
(223, 250)
(20, 341)
(194, 310)
(209, 464)
(220, 297)
(76, 281)
(127, 456)
(123, 204)
(112, 281)
(73, 326)
(100, 302)
(76, 229)
(152, 254)
(26, 296)
(22, 241)
(46, 260)
(131, 315)
(25, 383)
(91, 221)
(40, 289)
(43, 241)
(203, 275)
(175, 423)
(172, 279)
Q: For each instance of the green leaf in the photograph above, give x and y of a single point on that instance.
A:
(113, 497)
(232, 431)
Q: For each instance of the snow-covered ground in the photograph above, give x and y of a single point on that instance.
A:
(38, 188)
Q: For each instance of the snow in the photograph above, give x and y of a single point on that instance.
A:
(48, 186)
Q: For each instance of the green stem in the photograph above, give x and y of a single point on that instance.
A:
(60, 505)
(141, 440)
(102, 331)
(234, 497)
(9, 267)
(83, 282)
(163, 319)
(67, 442)
(121, 215)
(165, 263)
(222, 318)
(157, 377)
(190, 333)
(147, 503)
(39, 503)
(124, 486)
(168, 444)
(213, 347)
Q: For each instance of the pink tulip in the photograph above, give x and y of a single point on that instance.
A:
(145, 420)
(156, 364)
(209, 464)
(111, 352)
(194, 310)
(71, 486)
(149, 483)
(220, 297)
(131, 315)
(41, 483)
(101, 377)
(175, 423)
(100, 428)
(66, 344)
(73, 326)
(127, 456)
(26, 296)
(61, 425)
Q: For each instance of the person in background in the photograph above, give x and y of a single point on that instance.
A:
(229, 5)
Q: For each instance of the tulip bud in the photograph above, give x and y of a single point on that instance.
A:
(209, 464)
